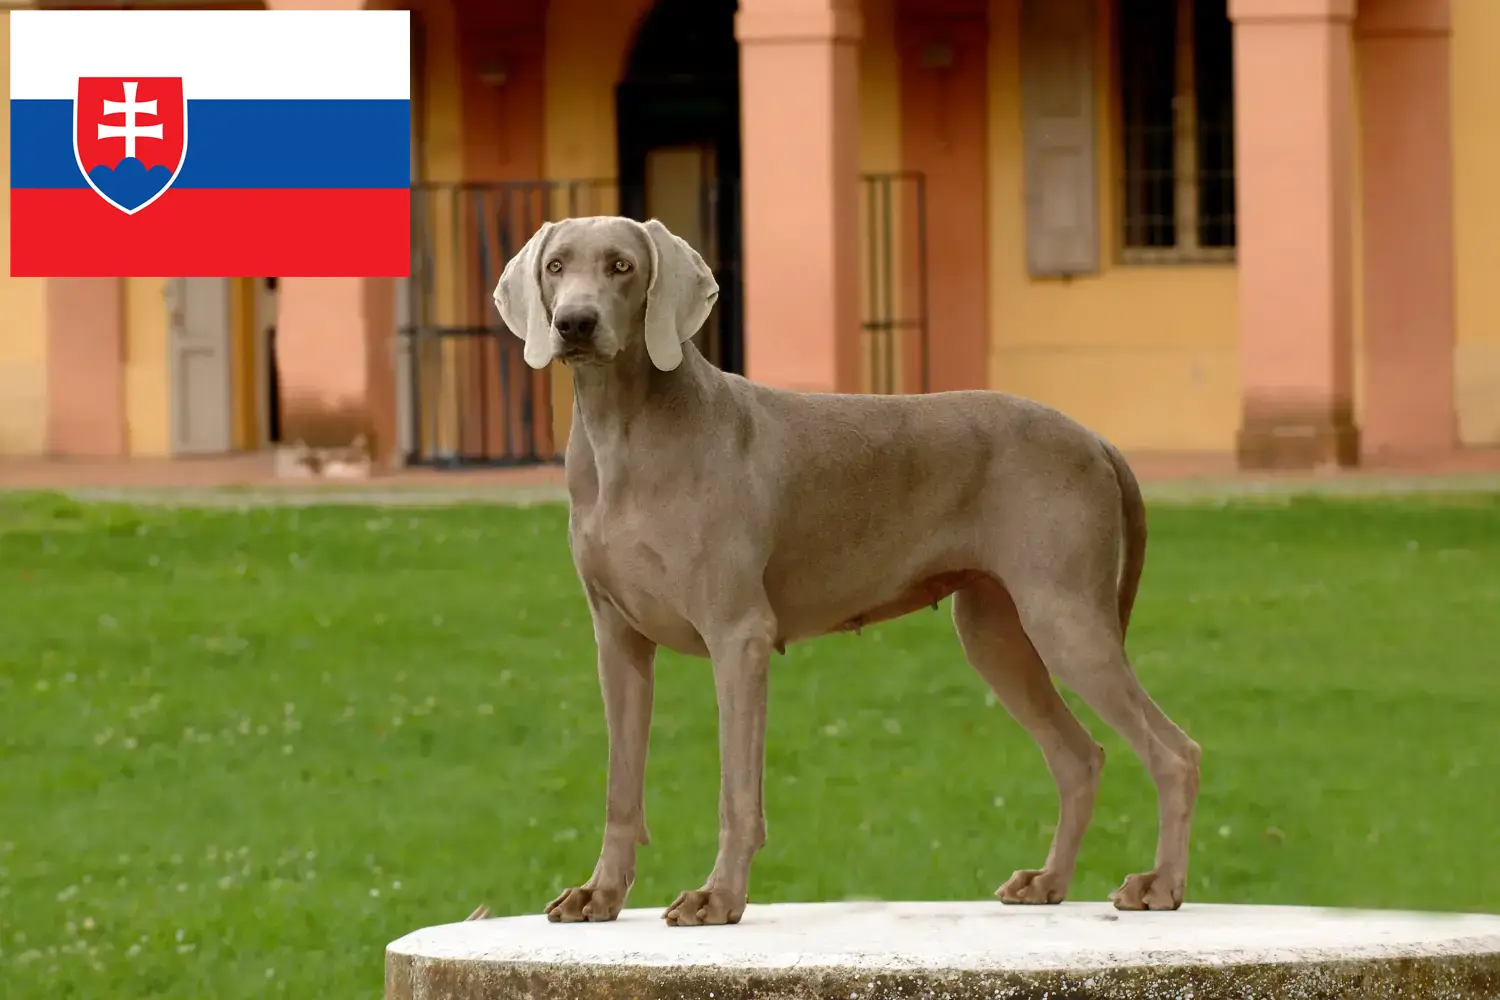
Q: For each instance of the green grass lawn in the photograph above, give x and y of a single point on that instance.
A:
(242, 751)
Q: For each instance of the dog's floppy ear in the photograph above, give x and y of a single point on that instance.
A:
(681, 295)
(518, 296)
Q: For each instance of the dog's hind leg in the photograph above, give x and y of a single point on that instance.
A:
(997, 647)
(1077, 633)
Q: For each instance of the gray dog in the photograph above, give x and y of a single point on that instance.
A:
(721, 518)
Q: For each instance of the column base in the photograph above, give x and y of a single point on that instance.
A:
(1289, 435)
(319, 424)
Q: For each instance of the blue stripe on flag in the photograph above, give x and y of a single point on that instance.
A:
(240, 145)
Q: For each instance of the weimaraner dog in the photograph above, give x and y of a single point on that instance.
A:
(722, 518)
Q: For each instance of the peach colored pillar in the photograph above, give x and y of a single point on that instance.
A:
(944, 58)
(1294, 138)
(799, 110)
(86, 368)
(1407, 136)
(335, 359)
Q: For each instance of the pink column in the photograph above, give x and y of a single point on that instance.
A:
(1402, 47)
(1294, 138)
(799, 110)
(335, 359)
(86, 368)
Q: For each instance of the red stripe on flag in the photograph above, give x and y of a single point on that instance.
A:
(200, 233)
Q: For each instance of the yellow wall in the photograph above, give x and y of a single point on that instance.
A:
(1476, 152)
(23, 312)
(1146, 355)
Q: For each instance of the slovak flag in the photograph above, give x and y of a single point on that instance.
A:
(210, 143)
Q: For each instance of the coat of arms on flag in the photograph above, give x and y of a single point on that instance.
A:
(130, 137)
(297, 162)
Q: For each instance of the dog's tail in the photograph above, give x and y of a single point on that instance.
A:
(1134, 511)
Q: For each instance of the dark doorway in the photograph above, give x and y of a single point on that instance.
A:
(678, 115)
(273, 381)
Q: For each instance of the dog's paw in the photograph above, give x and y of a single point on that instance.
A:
(701, 907)
(1148, 891)
(1033, 887)
(586, 904)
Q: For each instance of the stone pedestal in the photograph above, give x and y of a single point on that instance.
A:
(959, 951)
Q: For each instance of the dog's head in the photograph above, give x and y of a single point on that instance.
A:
(586, 290)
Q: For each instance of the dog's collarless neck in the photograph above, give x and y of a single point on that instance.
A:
(632, 401)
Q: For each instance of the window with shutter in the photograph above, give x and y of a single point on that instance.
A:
(1058, 111)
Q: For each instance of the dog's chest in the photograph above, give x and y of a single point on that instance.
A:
(623, 558)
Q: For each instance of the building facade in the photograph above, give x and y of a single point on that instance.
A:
(1253, 226)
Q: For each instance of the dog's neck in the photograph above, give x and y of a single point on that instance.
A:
(617, 402)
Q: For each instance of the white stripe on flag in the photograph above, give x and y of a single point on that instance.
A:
(220, 54)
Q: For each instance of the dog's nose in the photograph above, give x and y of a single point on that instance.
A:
(577, 324)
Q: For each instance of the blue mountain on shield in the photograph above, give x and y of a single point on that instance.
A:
(130, 185)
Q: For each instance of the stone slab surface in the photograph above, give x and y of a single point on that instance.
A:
(959, 951)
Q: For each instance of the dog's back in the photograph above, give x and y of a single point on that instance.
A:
(882, 504)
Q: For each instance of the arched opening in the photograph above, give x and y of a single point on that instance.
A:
(678, 113)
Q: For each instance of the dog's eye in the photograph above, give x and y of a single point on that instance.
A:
(622, 266)
(554, 266)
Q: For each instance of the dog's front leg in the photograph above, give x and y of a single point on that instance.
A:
(742, 659)
(627, 680)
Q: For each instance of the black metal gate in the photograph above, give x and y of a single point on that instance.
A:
(470, 398)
